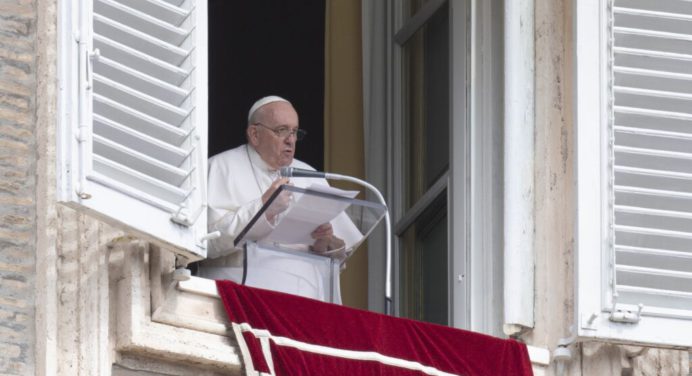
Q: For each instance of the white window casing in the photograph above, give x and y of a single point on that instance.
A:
(132, 135)
(519, 179)
(634, 171)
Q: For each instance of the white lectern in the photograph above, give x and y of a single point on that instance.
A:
(276, 243)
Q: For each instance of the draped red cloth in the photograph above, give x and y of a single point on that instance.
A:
(284, 334)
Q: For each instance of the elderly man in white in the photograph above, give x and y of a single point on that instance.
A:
(242, 179)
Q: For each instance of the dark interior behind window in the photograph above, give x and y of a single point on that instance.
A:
(262, 47)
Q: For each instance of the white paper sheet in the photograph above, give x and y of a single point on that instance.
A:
(307, 213)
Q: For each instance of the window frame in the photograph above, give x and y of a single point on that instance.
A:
(475, 174)
(403, 218)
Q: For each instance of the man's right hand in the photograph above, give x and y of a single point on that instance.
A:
(280, 203)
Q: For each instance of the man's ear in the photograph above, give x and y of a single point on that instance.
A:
(252, 136)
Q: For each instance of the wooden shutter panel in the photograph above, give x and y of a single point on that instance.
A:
(142, 123)
(651, 165)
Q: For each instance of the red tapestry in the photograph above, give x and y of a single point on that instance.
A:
(282, 334)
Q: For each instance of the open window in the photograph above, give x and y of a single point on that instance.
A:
(634, 176)
(137, 111)
(132, 137)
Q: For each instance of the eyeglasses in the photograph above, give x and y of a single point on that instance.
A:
(284, 132)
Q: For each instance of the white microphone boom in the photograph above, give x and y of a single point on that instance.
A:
(388, 306)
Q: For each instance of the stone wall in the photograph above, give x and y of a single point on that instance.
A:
(17, 185)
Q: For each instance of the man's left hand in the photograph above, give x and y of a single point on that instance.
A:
(325, 239)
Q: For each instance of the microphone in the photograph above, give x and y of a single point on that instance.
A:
(292, 172)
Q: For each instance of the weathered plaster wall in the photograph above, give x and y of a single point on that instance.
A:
(46, 256)
(43, 299)
(17, 185)
(554, 176)
(555, 211)
(72, 313)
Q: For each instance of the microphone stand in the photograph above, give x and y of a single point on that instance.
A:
(388, 309)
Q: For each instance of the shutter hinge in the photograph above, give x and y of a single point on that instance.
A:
(184, 217)
(202, 241)
(90, 59)
(210, 236)
(626, 315)
(82, 194)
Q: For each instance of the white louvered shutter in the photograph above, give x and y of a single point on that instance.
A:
(137, 138)
(647, 237)
(652, 164)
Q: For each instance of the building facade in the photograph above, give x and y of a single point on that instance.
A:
(85, 295)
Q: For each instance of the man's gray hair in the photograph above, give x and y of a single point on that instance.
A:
(261, 102)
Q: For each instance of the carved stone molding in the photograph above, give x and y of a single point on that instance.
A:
(156, 319)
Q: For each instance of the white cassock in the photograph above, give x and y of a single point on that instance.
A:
(237, 180)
